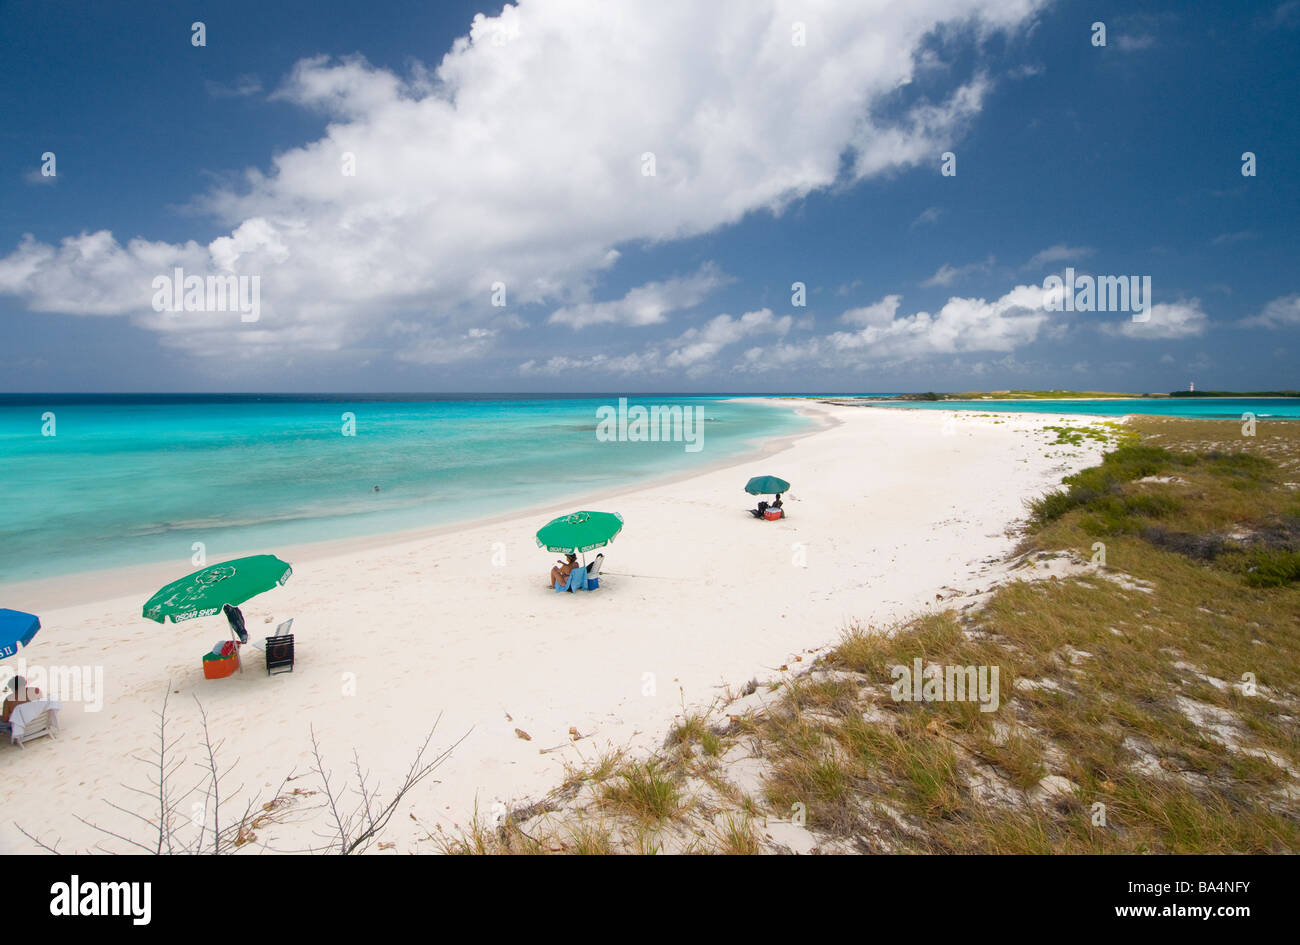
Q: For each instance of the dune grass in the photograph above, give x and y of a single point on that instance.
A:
(646, 791)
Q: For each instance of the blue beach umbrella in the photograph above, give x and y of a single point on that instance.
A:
(16, 628)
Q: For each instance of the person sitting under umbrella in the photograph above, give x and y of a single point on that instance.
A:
(560, 573)
(19, 692)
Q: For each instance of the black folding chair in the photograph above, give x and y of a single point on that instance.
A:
(279, 650)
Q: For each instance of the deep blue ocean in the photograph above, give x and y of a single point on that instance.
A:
(127, 479)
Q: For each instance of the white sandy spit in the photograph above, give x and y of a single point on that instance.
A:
(887, 507)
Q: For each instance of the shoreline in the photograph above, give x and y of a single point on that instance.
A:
(105, 583)
(1049, 400)
(1064, 400)
(1111, 417)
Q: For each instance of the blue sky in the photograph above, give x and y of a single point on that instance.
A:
(511, 150)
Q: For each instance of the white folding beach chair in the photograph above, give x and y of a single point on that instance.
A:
(593, 569)
(32, 720)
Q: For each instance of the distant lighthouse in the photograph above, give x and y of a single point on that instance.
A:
(1191, 387)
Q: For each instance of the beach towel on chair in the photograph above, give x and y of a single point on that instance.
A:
(577, 580)
(29, 714)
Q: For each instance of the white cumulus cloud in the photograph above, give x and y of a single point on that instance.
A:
(946, 275)
(647, 304)
(1060, 252)
(519, 159)
(1283, 312)
(1166, 320)
(693, 353)
(961, 325)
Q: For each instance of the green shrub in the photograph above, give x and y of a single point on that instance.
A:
(1267, 568)
(1152, 505)
(1096, 486)
(1050, 507)
(1239, 465)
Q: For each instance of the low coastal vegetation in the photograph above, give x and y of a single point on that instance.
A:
(1104, 433)
(1234, 393)
(1146, 641)
(1068, 395)
(1027, 395)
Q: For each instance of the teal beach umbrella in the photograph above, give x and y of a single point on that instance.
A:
(206, 591)
(580, 532)
(766, 485)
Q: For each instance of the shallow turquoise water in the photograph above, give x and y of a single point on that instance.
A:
(1262, 407)
(127, 480)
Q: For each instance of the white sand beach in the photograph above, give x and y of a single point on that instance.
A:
(887, 508)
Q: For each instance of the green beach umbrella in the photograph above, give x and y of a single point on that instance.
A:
(206, 591)
(766, 485)
(580, 532)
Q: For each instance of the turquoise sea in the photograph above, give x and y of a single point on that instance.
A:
(1264, 408)
(128, 479)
